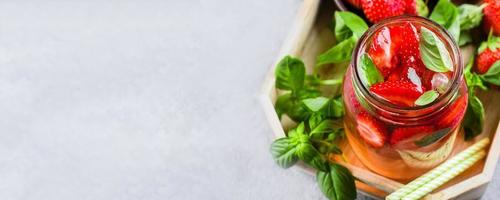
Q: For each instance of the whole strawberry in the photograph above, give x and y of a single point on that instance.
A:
(376, 10)
(488, 53)
(492, 16)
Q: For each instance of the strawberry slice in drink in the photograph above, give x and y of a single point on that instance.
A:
(372, 131)
(454, 113)
(383, 52)
(399, 92)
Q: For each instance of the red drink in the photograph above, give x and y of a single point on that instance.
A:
(403, 117)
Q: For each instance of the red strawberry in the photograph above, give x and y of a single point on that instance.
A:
(412, 67)
(355, 3)
(371, 130)
(376, 10)
(492, 16)
(400, 92)
(485, 59)
(411, 74)
(403, 133)
(383, 51)
(397, 74)
(453, 114)
(489, 53)
(409, 42)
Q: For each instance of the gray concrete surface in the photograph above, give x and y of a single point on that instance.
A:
(141, 100)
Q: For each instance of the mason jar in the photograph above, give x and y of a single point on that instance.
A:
(403, 141)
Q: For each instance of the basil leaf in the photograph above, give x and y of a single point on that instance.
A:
(434, 137)
(335, 108)
(434, 54)
(307, 153)
(291, 106)
(316, 104)
(321, 129)
(282, 104)
(317, 162)
(330, 108)
(314, 121)
(283, 152)
(465, 38)
(307, 93)
(470, 15)
(337, 183)
(348, 24)
(290, 74)
(369, 72)
(474, 117)
(427, 98)
(446, 14)
(493, 74)
(338, 53)
(300, 130)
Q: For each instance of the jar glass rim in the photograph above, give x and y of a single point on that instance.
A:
(450, 43)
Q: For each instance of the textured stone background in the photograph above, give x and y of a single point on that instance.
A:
(141, 100)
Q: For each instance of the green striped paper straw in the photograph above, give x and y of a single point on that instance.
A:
(412, 186)
(440, 180)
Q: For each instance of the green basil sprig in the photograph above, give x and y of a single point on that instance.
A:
(319, 126)
(311, 142)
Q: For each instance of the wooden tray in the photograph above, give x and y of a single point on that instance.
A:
(310, 36)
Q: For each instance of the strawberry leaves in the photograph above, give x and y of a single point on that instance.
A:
(434, 54)
(493, 43)
(493, 74)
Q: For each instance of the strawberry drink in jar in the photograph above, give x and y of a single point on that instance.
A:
(405, 97)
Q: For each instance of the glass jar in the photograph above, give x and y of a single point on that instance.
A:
(415, 138)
